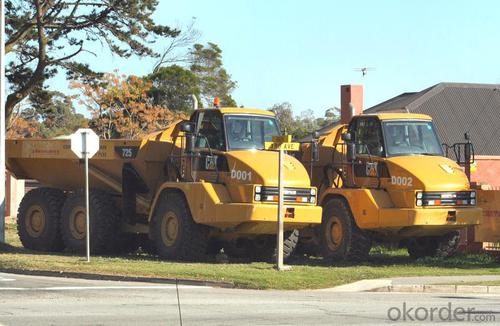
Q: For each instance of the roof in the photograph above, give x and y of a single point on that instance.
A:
(404, 115)
(456, 108)
(246, 111)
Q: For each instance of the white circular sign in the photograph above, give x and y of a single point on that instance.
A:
(83, 141)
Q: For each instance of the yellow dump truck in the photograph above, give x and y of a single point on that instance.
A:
(384, 177)
(197, 186)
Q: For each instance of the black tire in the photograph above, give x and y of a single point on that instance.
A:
(447, 245)
(441, 247)
(340, 237)
(263, 248)
(105, 219)
(174, 232)
(38, 219)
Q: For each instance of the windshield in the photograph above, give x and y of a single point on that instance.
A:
(249, 132)
(411, 137)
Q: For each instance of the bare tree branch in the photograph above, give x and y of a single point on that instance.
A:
(186, 38)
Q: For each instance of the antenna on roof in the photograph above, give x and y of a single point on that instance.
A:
(364, 70)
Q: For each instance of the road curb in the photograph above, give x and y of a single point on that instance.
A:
(439, 288)
(360, 286)
(106, 277)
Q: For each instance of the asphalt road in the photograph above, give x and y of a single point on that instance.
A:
(30, 300)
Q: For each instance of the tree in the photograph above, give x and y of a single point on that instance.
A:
(175, 51)
(59, 117)
(121, 108)
(305, 123)
(206, 64)
(284, 115)
(22, 128)
(47, 116)
(331, 115)
(45, 36)
(172, 88)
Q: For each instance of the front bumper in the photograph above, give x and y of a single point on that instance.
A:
(428, 221)
(255, 218)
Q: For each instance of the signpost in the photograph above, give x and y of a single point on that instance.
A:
(85, 143)
(2, 122)
(280, 144)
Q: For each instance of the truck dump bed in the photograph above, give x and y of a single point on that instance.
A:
(53, 164)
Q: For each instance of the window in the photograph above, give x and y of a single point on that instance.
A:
(211, 134)
(368, 137)
(411, 138)
(250, 132)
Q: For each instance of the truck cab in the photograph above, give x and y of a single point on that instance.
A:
(230, 182)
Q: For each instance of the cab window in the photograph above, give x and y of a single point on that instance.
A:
(250, 132)
(211, 134)
(368, 137)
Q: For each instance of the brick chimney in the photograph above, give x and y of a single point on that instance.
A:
(350, 95)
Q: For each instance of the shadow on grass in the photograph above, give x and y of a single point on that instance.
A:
(459, 261)
(376, 259)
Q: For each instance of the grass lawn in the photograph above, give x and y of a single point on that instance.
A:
(306, 273)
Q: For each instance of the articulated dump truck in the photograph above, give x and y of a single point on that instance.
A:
(192, 189)
(384, 177)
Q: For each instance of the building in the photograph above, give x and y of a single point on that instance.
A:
(457, 108)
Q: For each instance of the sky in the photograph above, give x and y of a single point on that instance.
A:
(302, 51)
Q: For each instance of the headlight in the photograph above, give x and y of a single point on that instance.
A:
(420, 195)
(473, 202)
(257, 197)
(313, 191)
(313, 200)
(472, 194)
(258, 189)
(419, 202)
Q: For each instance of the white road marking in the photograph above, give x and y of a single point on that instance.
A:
(84, 288)
(6, 280)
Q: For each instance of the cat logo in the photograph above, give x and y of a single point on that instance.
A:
(210, 162)
(371, 169)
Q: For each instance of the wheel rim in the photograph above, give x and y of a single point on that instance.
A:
(78, 223)
(169, 229)
(35, 221)
(334, 233)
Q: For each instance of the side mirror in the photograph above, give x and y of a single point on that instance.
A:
(187, 127)
(314, 151)
(347, 137)
(351, 152)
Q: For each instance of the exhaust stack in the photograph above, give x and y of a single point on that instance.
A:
(351, 102)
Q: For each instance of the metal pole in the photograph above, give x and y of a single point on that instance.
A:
(87, 215)
(279, 256)
(2, 123)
